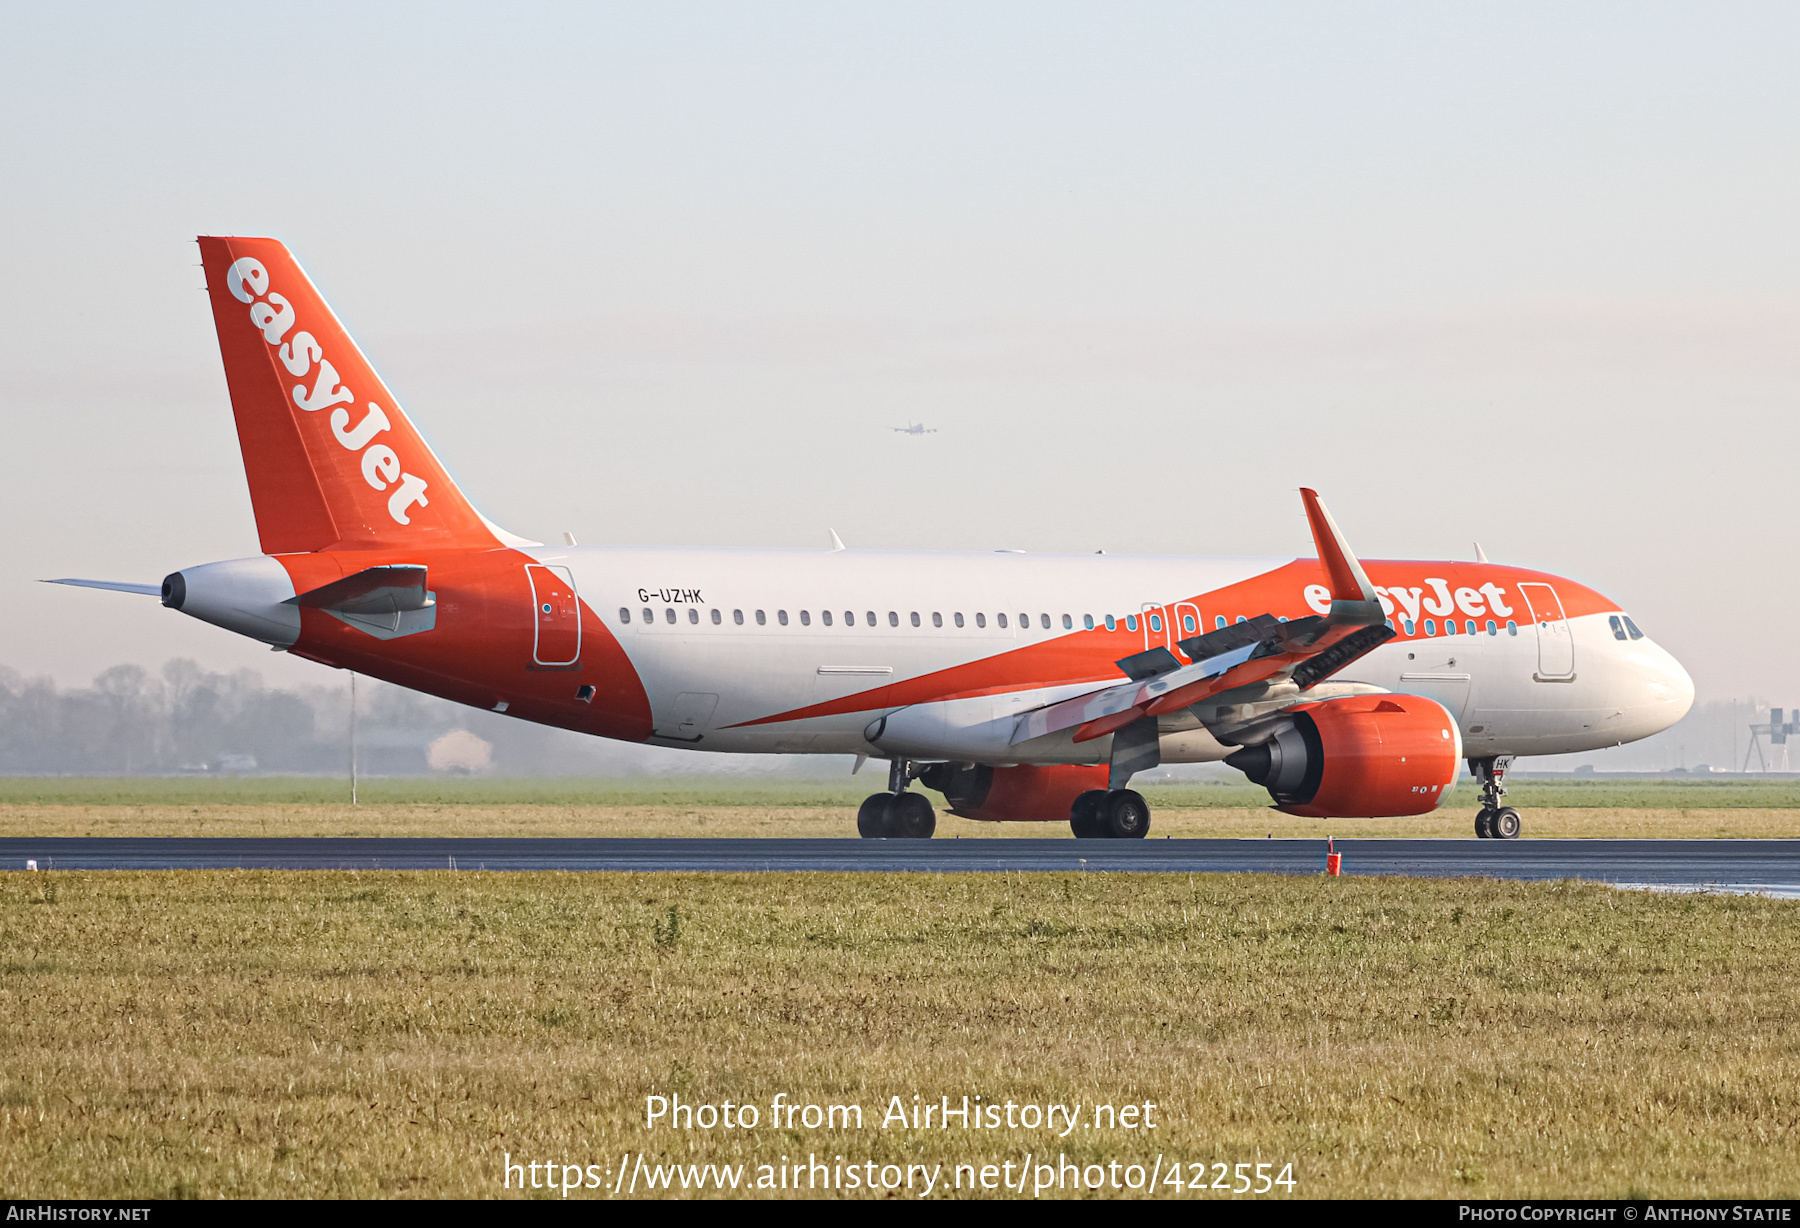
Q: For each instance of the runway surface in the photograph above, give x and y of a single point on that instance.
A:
(1771, 866)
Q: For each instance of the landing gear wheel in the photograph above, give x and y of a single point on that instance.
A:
(1084, 815)
(1126, 815)
(874, 818)
(912, 817)
(1484, 824)
(1506, 824)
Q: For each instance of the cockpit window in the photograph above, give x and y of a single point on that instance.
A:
(1633, 628)
(1618, 627)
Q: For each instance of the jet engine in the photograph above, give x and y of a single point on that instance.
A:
(1363, 756)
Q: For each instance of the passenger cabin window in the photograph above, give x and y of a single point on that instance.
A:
(825, 617)
(1131, 622)
(1087, 622)
(669, 614)
(1618, 628)
(850, 618)
(937, 619)
(1001, 620)
(1187, 623)
(1470, 626)
(893, 619)
(1512, 628)
(737, 616)
(981, 620)
(1218, 622)
(1492, 627)
(915, 618)
(1633, 628)
(1068, 623)
(959, 621)
(1044, 621)
(1431, 626)
(1156, 622)
(870, 615)
(717, 618)
(1408, 624)
(625, 617)
(805, 618)
(1024, 622)
(1112, 623)
(781, 617)
(693, 615)
(649, 617)
(761, 618)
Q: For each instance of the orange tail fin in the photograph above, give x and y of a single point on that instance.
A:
(331, 459)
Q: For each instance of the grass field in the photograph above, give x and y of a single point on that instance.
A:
(257, 1033)
(100, 806)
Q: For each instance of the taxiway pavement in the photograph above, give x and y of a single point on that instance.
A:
(1771, 866)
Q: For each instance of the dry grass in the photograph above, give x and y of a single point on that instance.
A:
(275, 1034)
(402, 819)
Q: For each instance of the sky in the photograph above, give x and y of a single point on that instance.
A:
(1523, 274)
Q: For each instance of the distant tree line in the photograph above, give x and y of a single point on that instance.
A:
(185, 718)
(181, 718)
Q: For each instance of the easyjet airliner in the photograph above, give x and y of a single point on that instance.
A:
(1021, 686)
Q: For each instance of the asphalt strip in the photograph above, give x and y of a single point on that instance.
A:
(1762, 866)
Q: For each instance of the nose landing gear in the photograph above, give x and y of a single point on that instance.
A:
(1494, 822)
(897, 814)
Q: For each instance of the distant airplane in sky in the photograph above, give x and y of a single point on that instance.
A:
(917, 428)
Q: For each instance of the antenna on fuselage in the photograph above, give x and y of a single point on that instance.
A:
(1480, 554)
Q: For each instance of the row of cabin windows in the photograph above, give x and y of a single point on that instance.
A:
(893, 619)
(1129, 622)
(1471, 627)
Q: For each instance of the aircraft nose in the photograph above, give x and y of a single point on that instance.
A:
(1665, 688)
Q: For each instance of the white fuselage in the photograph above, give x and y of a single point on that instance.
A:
(721, 638)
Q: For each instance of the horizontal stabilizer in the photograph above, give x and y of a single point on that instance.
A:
(117, 586)
(374, 590)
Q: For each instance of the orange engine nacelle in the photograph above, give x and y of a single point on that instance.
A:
(1365, 756)
(1007, 794)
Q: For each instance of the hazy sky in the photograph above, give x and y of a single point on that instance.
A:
(663, 273)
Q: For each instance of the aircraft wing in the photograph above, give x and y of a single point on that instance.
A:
(1304, 651)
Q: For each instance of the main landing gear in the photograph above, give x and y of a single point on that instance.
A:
(1494, 822)
(897, 814)
(1119, 814)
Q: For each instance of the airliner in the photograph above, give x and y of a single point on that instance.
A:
(1022, 687)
